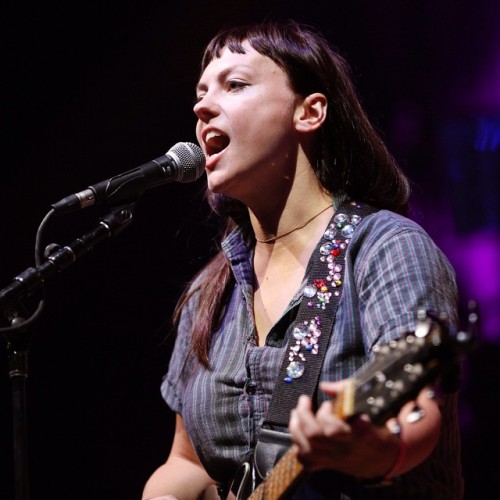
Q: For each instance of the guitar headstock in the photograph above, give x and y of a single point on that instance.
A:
(403, 367)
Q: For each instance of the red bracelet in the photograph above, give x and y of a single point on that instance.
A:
(399, 460)
(388, 478)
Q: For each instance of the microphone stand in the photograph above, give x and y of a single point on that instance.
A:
(18, 337)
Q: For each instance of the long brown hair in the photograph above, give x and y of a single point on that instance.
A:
(351, 158)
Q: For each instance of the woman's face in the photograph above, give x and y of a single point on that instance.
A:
(245, 126)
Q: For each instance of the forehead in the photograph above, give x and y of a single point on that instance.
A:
(251, 62)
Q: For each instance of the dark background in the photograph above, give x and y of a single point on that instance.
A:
(91, 89)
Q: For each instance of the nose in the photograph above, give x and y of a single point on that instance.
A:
(206, 108)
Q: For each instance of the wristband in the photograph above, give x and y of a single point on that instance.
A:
(388, 478)
(399, 460)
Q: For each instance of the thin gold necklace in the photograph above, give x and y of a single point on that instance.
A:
(274, 238)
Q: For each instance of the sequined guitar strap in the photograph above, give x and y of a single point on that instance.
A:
(311, 329)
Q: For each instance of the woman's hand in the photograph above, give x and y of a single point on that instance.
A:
(360, 448)
(324, 441)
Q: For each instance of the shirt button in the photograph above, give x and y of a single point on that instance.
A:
(250, 387)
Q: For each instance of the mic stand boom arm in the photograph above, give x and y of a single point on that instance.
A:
(32, 278)
(17, 335)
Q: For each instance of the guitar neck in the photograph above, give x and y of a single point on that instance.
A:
(284, 476)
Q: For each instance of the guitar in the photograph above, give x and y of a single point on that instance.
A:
(379, 389)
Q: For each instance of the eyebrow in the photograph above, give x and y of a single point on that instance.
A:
(223, 74)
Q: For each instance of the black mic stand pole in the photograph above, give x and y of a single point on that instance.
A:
(17, 352)
(17, 334)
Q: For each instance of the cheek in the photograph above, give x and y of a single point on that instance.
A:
(266, 118)
(198, 131)
(280, 114)
(276, 123)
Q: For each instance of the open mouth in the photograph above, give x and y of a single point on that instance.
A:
(215, 142)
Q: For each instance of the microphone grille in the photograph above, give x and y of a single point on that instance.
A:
(190, 161)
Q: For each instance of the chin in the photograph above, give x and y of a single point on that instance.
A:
(218, 183)
(230, 186)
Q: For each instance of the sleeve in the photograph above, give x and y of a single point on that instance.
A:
(400, 271)
(173, 386)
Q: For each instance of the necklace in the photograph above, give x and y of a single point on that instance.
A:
(274, 238)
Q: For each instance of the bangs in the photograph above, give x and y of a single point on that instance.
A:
(291, 46)
(232, 40)
(274, 40)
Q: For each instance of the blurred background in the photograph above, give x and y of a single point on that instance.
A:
(91, 89)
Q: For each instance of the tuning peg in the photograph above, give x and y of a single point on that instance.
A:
(415, 415)
(471, 334)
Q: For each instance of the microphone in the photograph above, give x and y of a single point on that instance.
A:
(184, 162)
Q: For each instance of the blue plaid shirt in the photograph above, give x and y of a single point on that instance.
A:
(392, 268)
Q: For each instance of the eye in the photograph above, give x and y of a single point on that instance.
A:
(235, 85)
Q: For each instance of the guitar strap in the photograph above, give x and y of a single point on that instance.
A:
(310, 333)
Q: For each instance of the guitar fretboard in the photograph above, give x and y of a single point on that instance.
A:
(282, 478)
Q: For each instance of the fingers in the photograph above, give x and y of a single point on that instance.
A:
(303, 424)
(318, 438)
(329, 423)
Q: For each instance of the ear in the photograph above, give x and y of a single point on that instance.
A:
(311, 112)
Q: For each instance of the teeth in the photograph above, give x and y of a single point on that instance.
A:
(215, 142)
(211, 135)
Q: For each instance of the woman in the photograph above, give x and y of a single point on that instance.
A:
(287, 142)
